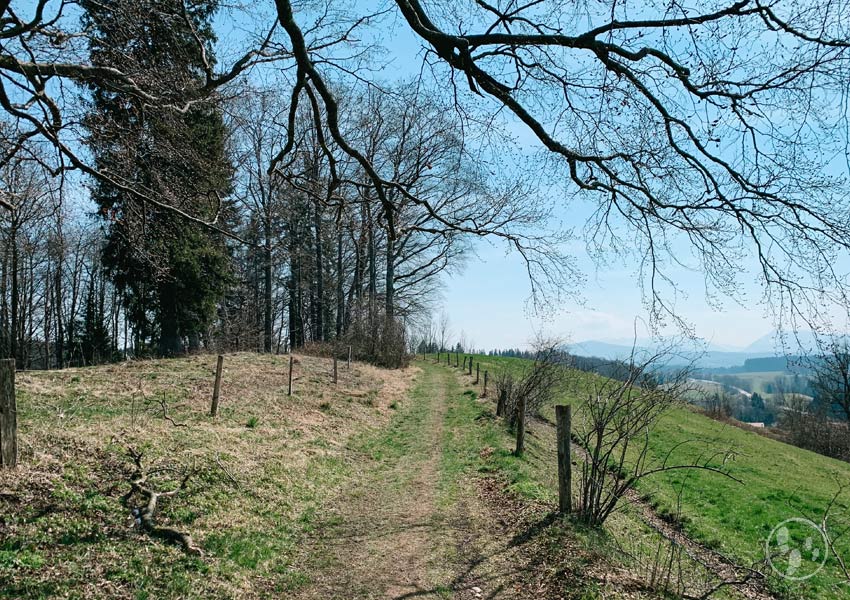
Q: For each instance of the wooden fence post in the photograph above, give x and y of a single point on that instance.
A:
(470, 366)
(565, 474)
(438, 357)
(464, 363)
(335, 369)
(8, 415)
(217, 386)
(291, 360)
(477, 372)
(349, 358)
(484, 394)
(500, 405)
(520, 426)
(448, 359)
(457, 359)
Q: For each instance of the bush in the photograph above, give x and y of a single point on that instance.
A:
(378, 340)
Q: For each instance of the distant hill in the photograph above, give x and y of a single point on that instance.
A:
(775, 343)
(743, 361)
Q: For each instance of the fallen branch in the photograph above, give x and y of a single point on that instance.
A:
(162, 405)
(226, 472)
(168, 418)
(143, 515)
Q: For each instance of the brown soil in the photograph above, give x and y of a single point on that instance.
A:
(392, 536)
(377, 539)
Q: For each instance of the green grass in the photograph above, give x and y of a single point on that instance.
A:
(475, 440)
(780, 482)
(264, 467)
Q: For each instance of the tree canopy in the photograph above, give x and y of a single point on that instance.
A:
(718, 127)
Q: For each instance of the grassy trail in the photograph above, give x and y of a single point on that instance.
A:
(412, 523)
(374, 539)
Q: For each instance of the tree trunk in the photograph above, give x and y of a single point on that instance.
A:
(58, 298)
(47, 317)
(296, 322)
(268, 304)
(57, 307)
(5, 326)
(13, 326)
(373, 268)
(340, 293)
(390, 279)
(28, 337)
(320, 283)
(373, 289)
(169, 333)
(75, 297)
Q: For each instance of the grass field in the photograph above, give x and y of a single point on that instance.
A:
(759, 382)
(264, 465)
(339, 491)
(336, 492)
(780, 482)
(399, 455)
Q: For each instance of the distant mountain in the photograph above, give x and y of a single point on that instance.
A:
(700, 344)
(803, 342)
(766, 343)
(709, 359)
(608, 350)
(772, 350)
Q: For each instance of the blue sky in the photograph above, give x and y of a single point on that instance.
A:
(487, 300)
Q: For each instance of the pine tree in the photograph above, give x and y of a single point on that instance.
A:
(170, 272)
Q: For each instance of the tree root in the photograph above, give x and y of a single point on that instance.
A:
(143, 515)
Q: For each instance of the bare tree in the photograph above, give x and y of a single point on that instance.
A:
(810, 425)
(534, 383)
(613, 430)
(684, 126)
(831, 379)
(444, 331)
(666, 120)
(256, 123)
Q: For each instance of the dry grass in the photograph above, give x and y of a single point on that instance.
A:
(264, 466)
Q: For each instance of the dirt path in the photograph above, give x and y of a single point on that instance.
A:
(411, 523)
(376, 540)
(395, 532)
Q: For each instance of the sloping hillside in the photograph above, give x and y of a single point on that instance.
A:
(389, 484)
(258, 472)
(779, 482)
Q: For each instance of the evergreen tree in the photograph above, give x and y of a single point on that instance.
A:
(170, 272)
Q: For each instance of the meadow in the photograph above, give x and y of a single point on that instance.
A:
(777, 482)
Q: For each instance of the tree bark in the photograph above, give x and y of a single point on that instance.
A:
(390, 279)
(320, 283)
(8, 415)
(13, 268)
(169, 334)
(268, 304)
(340, 290)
